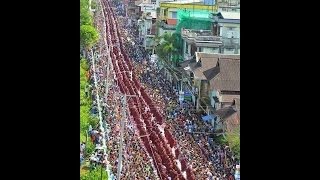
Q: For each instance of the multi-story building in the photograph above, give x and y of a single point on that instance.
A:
(225, 86)
(199, 41)
(228, 27)
(224, 36)
(211, 76)
(147, 23)
(168, 13)
(229, 5)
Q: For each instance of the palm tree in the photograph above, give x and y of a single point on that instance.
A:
(168, 47)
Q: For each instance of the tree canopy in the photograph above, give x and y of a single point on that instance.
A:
(85, 16)
(88, 36)
(168, 47)
(233, 139)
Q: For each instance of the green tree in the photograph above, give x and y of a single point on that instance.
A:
(95, 174)
(85, 16)
(169, 47)
(233, 139)
(88, 36)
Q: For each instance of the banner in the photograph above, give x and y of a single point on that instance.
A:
(187, 96)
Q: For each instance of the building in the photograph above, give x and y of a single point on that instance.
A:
(227, 26)
(229, 5)
(225, 86)
(168, 13)
(199, 41)
(227, 119)
(147, 23)
(147, 29)
(133, 10)
(223, 36)
(205, 74)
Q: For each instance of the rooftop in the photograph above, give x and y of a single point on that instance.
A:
(230, 15)
(228, 78)
(230, 117)
(205, 66)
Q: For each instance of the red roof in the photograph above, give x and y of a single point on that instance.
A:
(171, 21)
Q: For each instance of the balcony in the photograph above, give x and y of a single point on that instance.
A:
(231, 42)
(201, 37)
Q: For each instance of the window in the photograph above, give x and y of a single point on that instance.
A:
(229, 49)
(174, 15)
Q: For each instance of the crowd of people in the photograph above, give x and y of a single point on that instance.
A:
(148, 120)
(195, 155)
(209, 160)
(112, 107)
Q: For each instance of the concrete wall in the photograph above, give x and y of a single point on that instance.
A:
(226, 32)
(209, 50)
(229, 51)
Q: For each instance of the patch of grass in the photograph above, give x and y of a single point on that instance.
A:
(93, 174)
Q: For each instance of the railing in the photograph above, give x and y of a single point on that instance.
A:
(191, 32)
(200, 35)
(231, 42)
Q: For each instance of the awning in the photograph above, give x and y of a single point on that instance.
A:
(208, 117)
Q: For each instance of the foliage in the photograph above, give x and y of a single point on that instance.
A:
(88, 36)
(84, 64)
(221, 140)
(233, 139)
(84, 102)
(169, 47)
(95, 174)
(85, 118)
(94, 4)
(85, 16)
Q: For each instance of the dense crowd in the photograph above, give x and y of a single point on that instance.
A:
(112, 107)
(209, 160)
(196, 152)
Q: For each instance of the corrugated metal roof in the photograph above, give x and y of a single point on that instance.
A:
(230, 15)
